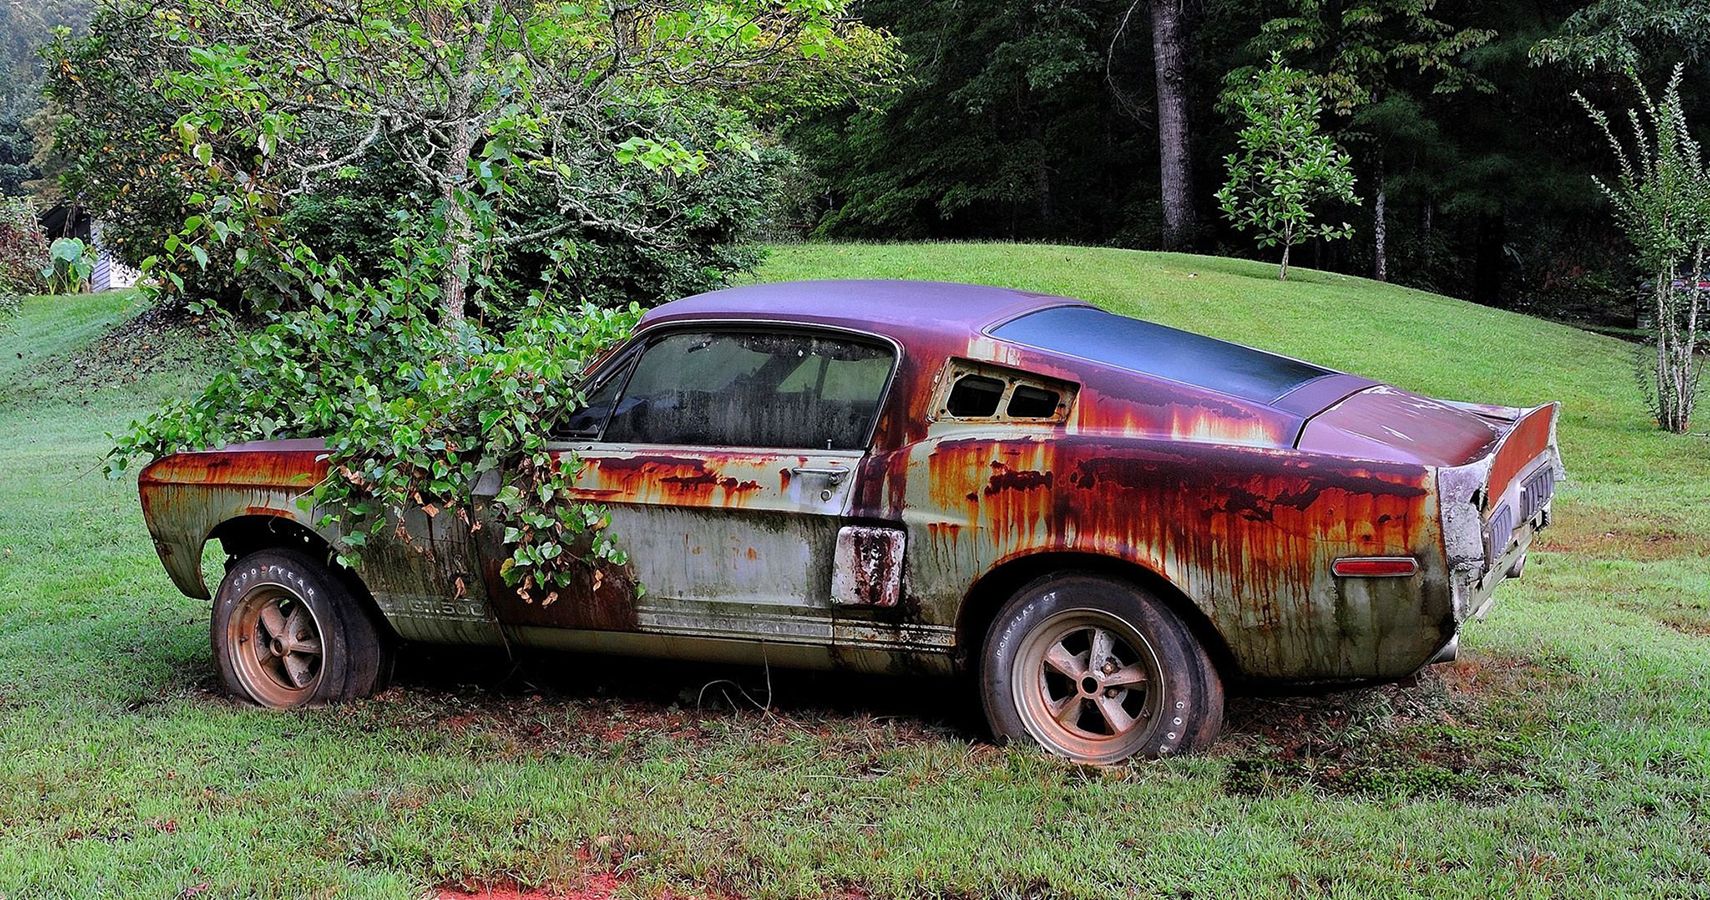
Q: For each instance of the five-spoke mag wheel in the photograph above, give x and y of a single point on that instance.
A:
(1098, 670)
(279, 646)
(288, 632)
(1084, 684)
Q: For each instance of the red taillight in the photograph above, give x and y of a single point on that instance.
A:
(1375, 566)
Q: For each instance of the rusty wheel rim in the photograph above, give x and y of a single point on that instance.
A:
(276, 647)
(1087, 686)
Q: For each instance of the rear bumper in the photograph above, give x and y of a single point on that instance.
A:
(1475, 588)
(1494, 507)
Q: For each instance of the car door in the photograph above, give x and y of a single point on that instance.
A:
(726, 457)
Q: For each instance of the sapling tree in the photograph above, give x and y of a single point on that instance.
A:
(1661, 195)
(464, 94)
(1285, 169)
(486, 102)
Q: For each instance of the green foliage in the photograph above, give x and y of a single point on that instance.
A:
(70, 262)
(1661, 195)
(22, 249)
(653, 166)
(1004, 125)
(24, 28)
(1616, 35)
(1358, 53)
(1285, 168)
(17, 148)
(414, 413)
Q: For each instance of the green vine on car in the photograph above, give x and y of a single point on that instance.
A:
(517, 127)
(415, 415)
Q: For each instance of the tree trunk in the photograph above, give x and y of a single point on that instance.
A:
(1693, 368)
(1380, 236)
(1283, 275)
(1175, 176)
(458, 227)
(1488, 260)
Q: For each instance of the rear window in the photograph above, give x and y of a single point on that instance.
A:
(1162, 351)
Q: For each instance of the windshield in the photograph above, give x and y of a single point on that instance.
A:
(1162, 351)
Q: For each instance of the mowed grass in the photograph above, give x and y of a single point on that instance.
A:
(1567, 754)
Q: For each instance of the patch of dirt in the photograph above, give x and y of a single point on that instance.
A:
(620, 708)
(600, 880)
(1687, 620)
(598, 887)
(1454, 730)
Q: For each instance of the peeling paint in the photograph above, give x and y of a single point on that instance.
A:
(867, 559)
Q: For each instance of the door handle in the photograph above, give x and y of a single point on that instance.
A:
(831, 474)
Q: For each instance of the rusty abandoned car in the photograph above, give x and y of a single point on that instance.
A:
(1105, 520)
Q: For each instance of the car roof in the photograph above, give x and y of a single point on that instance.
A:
(902, 310)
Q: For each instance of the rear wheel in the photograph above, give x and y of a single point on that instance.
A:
(1098, 670)
(287, 633)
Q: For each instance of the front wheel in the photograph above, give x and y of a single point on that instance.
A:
(287, 633)
(1098, 670)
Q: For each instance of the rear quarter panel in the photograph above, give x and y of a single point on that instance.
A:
(1246, 534)
(1201, 490)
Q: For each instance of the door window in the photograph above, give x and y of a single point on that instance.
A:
(587, 421)
(760, 389)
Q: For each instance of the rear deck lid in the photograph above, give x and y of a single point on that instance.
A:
(1388, 423)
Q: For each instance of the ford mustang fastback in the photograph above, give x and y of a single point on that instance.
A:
(1102, 520)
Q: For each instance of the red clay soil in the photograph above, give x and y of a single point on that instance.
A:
(597, 887)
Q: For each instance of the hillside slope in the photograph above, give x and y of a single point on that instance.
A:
(1566, 754)
(1424, 342)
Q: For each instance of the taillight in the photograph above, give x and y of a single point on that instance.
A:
(1375, 566)
(1501, 534)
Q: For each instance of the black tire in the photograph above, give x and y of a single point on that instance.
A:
(287, 633)
(1146, 687)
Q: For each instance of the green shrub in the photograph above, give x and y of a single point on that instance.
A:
(22, 252)
(69, 266)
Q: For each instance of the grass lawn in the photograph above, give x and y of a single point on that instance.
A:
(1568, 753)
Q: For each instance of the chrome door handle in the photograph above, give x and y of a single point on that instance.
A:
(834, 475)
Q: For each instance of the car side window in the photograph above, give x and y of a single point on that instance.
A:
(975, 397)
(587, 421)
(753, 389)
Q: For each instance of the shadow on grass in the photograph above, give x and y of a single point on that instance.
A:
(1459, 731)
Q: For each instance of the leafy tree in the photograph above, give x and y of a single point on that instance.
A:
(139, 75)
(1375, 63)
(1285, 168)
(22, 252)
(24, 28)
(1615, 35)
(17, 148)
(1661, 195)
(458, 89)
(520, 122)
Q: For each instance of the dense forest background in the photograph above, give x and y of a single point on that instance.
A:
(1101, 122)
(1039, 121)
